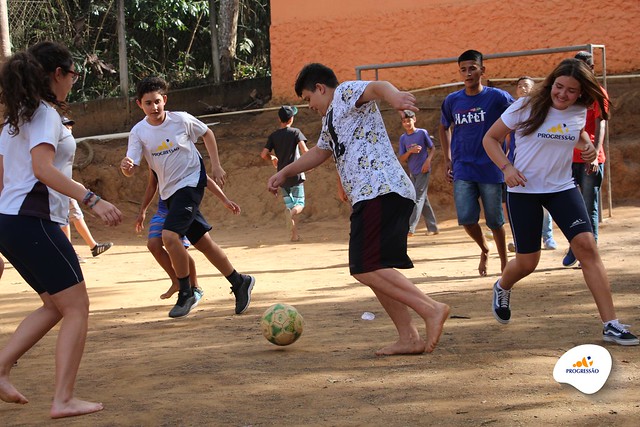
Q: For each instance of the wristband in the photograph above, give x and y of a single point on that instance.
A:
(87, 197)
(505, 166)
(98, 198)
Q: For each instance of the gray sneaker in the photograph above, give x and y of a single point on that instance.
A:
(501, 308)
(183, 306)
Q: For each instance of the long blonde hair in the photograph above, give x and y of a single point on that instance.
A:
(540, 98)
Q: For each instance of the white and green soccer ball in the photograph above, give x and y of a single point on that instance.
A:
(282, 324)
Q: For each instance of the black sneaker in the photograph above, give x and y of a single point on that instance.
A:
(100, 248)
(619, 334)
(186, 300)
(243, 293)
(500, 306)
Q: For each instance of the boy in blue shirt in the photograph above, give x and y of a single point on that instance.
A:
(466, 116)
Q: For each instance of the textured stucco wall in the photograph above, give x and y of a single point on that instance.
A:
(345, 33)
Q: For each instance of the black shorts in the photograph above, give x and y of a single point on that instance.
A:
(378, 237)
(184, 216)
(39, 250)
(525, 215)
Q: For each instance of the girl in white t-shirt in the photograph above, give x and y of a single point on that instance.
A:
(548, 125)
(35, 183)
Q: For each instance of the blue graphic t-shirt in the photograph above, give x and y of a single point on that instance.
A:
(471, 117)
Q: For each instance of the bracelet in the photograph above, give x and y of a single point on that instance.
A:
(505, 166)
(87, 197)
(98, 198)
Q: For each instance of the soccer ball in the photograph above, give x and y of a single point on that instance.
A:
(282, 324)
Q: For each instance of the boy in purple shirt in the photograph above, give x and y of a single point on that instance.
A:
(416, 149)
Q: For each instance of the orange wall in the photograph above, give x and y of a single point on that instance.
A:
(345, 33)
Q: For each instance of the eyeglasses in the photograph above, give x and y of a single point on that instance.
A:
(75, 77)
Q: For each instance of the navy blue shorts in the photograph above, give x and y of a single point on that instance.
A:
(184, 216)
(525, 215)
(378, 237)
(39, 250)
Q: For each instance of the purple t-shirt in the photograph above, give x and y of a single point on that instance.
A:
(415, 161)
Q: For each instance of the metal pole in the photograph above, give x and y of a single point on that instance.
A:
(607, 163)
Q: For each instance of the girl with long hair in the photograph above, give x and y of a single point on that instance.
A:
(36, 157)
(548, 125)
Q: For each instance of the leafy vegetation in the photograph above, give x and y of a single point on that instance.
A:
(170, 38)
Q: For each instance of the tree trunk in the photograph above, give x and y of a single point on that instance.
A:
(5, 41)
(229, 10)
(215, 50)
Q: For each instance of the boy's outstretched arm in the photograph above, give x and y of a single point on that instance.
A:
(149, 193)
(312, 158)
(217, 191)
(381, 90)
(218, 174)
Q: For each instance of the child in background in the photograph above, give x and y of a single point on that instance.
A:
(416, 149)
(288, 144)
(77, 218)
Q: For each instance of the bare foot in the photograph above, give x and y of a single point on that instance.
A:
(9, 394)
(295, 238)
(74, 407)
(172, 290)
(434, 324)
(416, 346)
(484, 261)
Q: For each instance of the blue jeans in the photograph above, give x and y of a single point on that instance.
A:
(589, 185)
(421, 184)
(466, 195)
(547, 226)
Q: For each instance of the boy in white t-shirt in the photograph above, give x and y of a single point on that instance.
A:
(381, 194)
(167, 139)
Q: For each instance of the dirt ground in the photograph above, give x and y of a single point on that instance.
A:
(215, 368)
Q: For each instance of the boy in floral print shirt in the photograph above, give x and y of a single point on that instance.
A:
(381, 194)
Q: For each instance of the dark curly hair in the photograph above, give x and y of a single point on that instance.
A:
(25, 81)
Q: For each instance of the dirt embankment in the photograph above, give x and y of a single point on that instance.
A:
(241, 138)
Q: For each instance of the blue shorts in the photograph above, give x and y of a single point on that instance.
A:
(378, 237)
(525, 215)
(293, 196)
(39, 250)
(157, 222)
(467, 196)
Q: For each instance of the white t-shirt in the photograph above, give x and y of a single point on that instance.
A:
(365, 159)
(23, 194)
(545, 155)
(170, 150)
